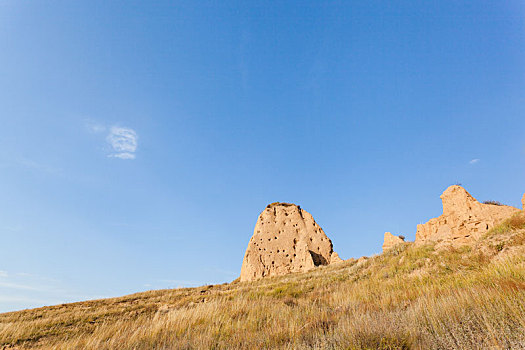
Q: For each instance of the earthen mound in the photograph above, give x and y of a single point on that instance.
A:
(286, 239)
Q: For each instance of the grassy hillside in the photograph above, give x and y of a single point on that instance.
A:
(408, 298)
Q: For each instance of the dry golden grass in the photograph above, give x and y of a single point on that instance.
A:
(515, 222)
(409, 298)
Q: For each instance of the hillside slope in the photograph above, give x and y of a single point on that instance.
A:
(411, 297)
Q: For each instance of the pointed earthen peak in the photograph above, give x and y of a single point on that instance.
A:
(464, 219)
(335, 258)
(457, 200)
(523, 202)
(390, 241)
(286, 239)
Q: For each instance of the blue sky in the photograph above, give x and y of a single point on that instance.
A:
(139, 141)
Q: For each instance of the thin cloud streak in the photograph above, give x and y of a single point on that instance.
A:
(31, 164)
(26, 300)
(95, 127)
(24, 287)
(181, 283)
(20, 290)
(474, 161)
(124, 155)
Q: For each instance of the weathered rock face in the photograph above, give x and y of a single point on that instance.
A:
(390, 241)
(334, 258)
(523, 202)
(464, 219)
(286, 239)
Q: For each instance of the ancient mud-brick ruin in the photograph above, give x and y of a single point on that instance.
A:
(286, 239)
(391, 241)
(464, 219)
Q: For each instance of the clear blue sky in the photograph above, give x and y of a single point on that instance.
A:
(139, 141)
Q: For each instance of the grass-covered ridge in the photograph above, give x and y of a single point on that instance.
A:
(408, 298)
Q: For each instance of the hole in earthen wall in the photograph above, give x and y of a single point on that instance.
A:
(318, 259)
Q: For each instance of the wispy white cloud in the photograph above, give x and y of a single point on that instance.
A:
(179, 283)
(35, 277)
(16, 228)
(123, 142)
(11, 285)
(222, 271)
(26, 281)
(474, 161)
(94, 127)
(31, 164)
(19, 290)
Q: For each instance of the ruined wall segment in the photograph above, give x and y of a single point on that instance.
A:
(391, 241)
(464, 219)
(286, 239)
